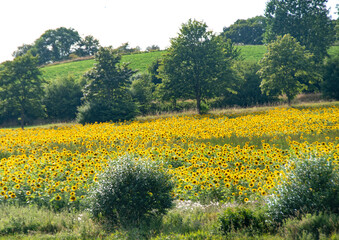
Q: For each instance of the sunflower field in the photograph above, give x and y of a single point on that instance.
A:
(225, 158)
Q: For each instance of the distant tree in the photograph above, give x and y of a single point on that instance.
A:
(307, 21)
(106, 95)
(197, 65)
(62, 98)
(87, 46)
(22, 50)
(249, 31)
(21, 86)
(153, 48)
(56, 45)
(286, 68)
(247, 91)
(126, 49)
(330, 84)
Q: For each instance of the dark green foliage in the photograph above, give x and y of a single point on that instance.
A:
(62, 98)
(21, 88)
(87, 46)
(131, 191)
(197, 65)
(247, 92)
(330, 85)
(142, 89)
(56, 45)
(311, 226)
(153, 71)
(101, 111)
(241, 218)
(313, 186)
(307, 21)
(107, 95)
(248, 32)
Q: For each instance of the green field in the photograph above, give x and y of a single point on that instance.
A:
(77, 69)
(141, 62)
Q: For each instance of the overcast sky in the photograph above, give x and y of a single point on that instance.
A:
(113, 22)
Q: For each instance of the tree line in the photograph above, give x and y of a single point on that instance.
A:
(200, 68)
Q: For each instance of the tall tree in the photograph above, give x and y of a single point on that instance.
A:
(198, 63)
(249, 31)
(21, 86)
(307, 21)
(286, 68)
(107, 92)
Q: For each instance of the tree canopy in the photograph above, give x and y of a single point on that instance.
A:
(57, 44)
(248, 32)
(198, 63)
(286, 68)
(307, 21)
(106, 95)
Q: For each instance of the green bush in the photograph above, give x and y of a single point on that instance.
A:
(312, 186)
(100, 111)
(253, 221)
(131, 192)
(62, 97)
(313, 226)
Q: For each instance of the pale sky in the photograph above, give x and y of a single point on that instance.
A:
(114, 22)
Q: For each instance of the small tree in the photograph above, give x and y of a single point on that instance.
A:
(62, 97)
(106, 95)
(286, 68)
(197, 65)
(21, 86)
(141, 89)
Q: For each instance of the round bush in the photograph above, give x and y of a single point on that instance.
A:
(312, 186)
(131, 191)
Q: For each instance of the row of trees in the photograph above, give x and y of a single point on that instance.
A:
(58, 44)
(200, 65)
(64, 43)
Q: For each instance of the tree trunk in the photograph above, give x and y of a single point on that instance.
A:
(22, 119)
(198, 104)
(289, 100)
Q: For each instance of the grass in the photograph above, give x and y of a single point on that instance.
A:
(252, 53)
(186, 220)
(77, 69)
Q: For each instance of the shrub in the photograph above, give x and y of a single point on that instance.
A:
(62, 97)
(312, 225)
(100, 111)
(311, 187)
(253, 221)
(131, 192)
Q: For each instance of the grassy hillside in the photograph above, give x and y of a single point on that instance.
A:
(78, 68)
(143, 60)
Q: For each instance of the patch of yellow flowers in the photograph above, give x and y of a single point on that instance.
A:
(61, 164)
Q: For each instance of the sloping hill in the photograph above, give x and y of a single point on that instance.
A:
(141, 62)
(77, 69)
